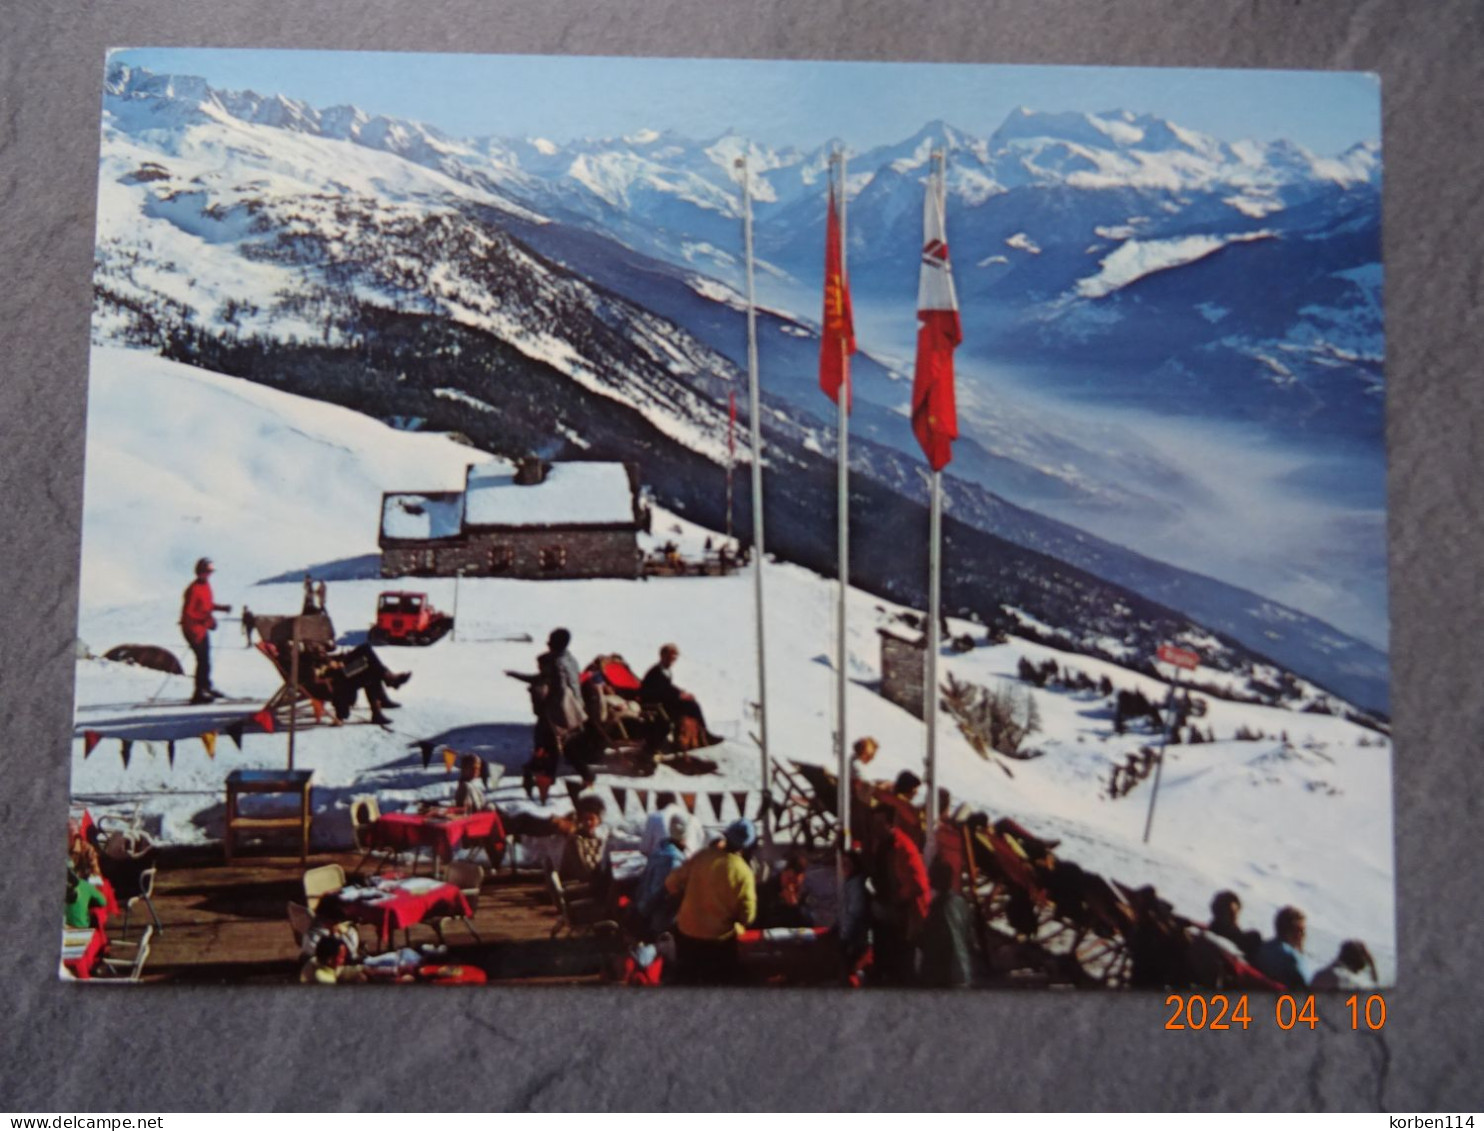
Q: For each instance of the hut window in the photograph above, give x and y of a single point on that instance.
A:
(553, 558)
(427, 560)
(502, 559)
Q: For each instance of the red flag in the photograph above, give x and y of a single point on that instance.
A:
(934, 413)
(90, 739)
(264, 719)
(837, 336)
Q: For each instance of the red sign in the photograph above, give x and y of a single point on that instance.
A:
(1180, 657)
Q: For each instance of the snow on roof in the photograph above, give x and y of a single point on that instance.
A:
(573, 494)
(422, 516)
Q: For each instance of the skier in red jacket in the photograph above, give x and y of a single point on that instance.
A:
(196, 623)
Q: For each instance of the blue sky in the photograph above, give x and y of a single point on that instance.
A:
(779, 103)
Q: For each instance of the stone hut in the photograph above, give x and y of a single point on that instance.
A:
(536, 520)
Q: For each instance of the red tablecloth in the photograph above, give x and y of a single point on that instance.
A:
(80, 954)
(399, 908)
(398, 831)
(110, 909)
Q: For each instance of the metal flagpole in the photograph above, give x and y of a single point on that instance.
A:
(842, 745)
(935, 603)
(755, 420)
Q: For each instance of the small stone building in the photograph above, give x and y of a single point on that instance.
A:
(536, 521)
(904, 669)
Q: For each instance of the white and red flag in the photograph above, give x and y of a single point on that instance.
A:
(934, 413)
(837, 338)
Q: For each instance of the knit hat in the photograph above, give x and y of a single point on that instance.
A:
(740, 834)
(677, 826)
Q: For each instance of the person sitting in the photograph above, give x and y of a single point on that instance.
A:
(347, 674)
(788, 905)
(1225, 907)
(654, 907)
(1282, 957)
(585, 856)
(469, 794)
(331, 921)
(1353, 969)
(82, 897)
(718, 902)
(331, 965)
(947, 942)
(658, 690)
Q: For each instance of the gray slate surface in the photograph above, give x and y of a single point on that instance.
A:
(200, 1049)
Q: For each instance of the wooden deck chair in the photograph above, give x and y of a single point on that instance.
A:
(320, 882)
(308, 698)
(800, 815)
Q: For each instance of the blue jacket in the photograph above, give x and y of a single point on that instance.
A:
(1283, 963)
(654, 904)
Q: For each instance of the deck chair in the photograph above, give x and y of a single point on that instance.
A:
(320, 882)
(800, 813)
(310, 697)
(146, 897)
(123, 966)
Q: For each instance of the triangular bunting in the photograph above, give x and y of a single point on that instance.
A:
(264, 719)
(208, 740)
(740, 797)
(717, 801)
(690, 801)
(170, 752)
(620, 798)
(426, 750)
(234, 732)
(449, 758)
(124, 748)
(90, 739)
(643, 796)
(573, 789)
(762, 807)
(664, 799)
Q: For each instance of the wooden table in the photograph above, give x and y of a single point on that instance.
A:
(241, 782)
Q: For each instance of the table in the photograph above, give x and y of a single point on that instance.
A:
(81, 949)
(401, 904)
(294, 782)
(443, 833)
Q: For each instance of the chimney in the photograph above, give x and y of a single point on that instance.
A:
(530, 471)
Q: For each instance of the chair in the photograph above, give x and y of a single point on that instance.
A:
(574, 916)
(320, 882)
(118, 967)
(300, 920)
(468, 877)
(146, 892)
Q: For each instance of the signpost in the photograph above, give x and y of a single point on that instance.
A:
(1184, 660)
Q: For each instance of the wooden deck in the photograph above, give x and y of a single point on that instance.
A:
(230, 924)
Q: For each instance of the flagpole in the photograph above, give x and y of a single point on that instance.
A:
(842, 744)
(935, 607)
(755, 420)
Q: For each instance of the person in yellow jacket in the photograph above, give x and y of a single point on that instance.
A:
(718, 903)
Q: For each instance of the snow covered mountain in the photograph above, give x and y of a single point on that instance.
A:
(482, 287)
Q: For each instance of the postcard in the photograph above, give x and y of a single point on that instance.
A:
(661, 522)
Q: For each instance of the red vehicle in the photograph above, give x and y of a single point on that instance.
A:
(408, 618)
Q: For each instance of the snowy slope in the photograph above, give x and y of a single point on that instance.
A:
(183, 463)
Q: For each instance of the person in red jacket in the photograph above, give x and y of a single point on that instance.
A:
(196, 622)
(903, 899)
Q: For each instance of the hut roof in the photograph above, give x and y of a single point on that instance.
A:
(572, 494)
